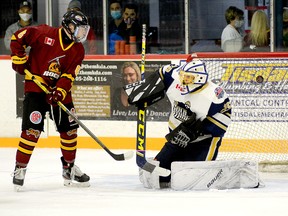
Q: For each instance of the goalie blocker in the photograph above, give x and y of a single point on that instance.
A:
(205, 175)
(146, 92)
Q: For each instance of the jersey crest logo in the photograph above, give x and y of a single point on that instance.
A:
(53, 71)
(54, 67)
(49, 41)
(180, 111)
(219, 92)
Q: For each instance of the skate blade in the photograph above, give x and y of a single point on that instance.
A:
(69, 183)
(18, 188)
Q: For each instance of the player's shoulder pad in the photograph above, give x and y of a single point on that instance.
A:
(215, 92)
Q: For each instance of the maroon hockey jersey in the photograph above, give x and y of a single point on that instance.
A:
(53, 63)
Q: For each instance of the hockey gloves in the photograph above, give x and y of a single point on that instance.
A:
(186, 132)
(19, 64)
(57, 95)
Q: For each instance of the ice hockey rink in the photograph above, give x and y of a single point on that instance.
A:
(116, 190)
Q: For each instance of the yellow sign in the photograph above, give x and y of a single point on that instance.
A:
(246, 72)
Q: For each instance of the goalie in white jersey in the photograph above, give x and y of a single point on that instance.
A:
(200, 115)
(200, 112)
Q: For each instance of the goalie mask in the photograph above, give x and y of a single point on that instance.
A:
(193, 75)
(76, 24)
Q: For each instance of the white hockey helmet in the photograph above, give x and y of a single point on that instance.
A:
(193, 75)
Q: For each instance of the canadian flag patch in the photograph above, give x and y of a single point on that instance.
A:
(49, 41)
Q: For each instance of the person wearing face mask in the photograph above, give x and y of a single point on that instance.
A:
(25, 14)
(285, 26)
(117, 26)
(233, 34)
(132, 26)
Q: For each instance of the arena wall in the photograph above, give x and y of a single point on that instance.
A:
(121, 134)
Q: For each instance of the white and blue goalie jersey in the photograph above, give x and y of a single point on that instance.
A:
(209, 101)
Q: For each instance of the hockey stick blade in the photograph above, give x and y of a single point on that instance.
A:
(128, 155)
(118, 157)
(161, 171)
(145, 165)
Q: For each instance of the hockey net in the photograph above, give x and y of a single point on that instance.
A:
(257, 85)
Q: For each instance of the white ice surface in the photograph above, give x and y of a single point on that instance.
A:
(116, 190)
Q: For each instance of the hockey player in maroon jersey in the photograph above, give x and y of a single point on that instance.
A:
(55, 58)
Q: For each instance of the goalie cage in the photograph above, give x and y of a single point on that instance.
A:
(257, 85)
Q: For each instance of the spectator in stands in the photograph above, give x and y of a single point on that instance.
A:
(133, 27)
(25, 14)
(285, 27)
(233, 34)
(259, 35)
(90, 43)
(116, 25)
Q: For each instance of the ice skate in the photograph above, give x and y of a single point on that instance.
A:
(73, 176)
(18, 177)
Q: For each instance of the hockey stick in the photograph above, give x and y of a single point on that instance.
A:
(118, 157)
(141, 125)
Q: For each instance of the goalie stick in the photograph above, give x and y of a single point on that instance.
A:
(118, 157)
(141, 125)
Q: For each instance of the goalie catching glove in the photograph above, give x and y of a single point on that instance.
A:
(147, 92)
(186, 132)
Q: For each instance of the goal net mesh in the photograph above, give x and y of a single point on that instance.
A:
(257, 88)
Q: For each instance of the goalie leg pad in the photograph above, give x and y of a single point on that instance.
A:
(149, 180)
(221, 175)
